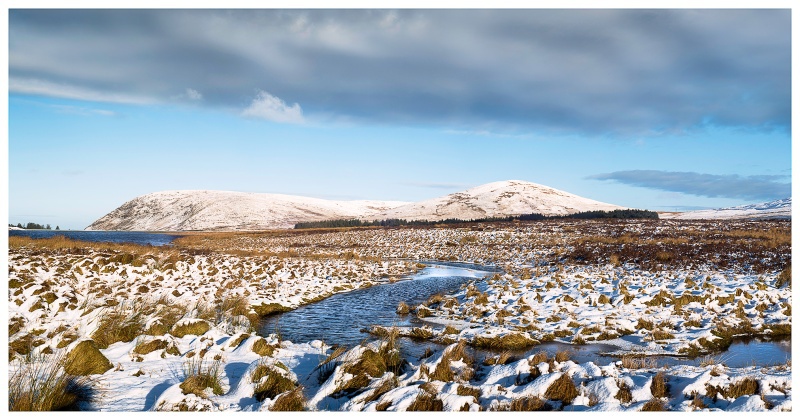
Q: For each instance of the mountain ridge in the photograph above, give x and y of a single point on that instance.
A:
(183, 210)
(776, 209)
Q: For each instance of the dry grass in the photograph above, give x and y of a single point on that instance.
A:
(146, 347)
(659, 387)
(528, 403)
(42, 385)
(403, 308)
(452, 353)
(426, 401)
(465, 390)
(270, 382)
(262, 348)
(746, 386)
(510, 341)
(637, 361)
(784, 278)
(265, 309)
(654, 405)
(85, 359)
(498, 359)
(624, 394)
(200, 376)
(562, 389)
(290, 401)
(183, 329)
(116, 326)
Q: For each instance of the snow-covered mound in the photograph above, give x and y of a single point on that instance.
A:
(226, 210)
(778, 209)
(497, 199)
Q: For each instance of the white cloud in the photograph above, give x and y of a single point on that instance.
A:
(193, 94)
(272, 108)
(46, 88)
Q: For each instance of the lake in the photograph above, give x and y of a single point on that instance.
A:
(140, 238)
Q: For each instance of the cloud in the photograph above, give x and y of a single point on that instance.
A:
(189, 94)
(754, 187)
(61, 90)
(635, 72)
(272, 108)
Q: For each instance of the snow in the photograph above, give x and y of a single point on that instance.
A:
(778, 209)
(227, 210)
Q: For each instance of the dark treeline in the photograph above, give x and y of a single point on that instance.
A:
(32, 225)
(597, 214)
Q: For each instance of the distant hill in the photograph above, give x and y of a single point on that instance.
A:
(225, 210)
(497, 199)
(778, 209)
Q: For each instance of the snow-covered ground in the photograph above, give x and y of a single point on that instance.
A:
(778, 209)
(156, 314)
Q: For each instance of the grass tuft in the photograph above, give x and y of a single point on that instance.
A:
(426, 401)
(183, 329)
(200, 376)
(290, 401)
(562, 389)
(654, 405)
(262, 348)
(42, 385)
(86, 359)
(510, 341)
(659, 387)
(270, 382)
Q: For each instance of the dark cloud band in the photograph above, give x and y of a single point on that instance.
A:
(756, 187)
(578, 71)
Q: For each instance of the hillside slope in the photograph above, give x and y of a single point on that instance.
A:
(225, 210)
(778, 209)
(504, 198)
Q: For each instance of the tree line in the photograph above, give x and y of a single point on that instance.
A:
(32, 225)
(595, 214)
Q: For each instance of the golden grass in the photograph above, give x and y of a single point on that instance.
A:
(426, 401)
(181, 330)
(624, 394)
(290, 401)
(116, 326)
(527, 403)
(562, 389)
(262, 348)
(403, 308)
(510, 341)
(654, 405)
(42, 386)
(269, 382)
(659, 387)
(452, 353)
(146, 347)
(200, 376)
(86, 359)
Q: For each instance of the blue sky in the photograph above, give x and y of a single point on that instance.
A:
(665, 110)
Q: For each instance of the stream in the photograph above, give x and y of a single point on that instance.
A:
(344, 318)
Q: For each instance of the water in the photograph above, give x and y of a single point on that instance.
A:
(342, 319)
(140, 238)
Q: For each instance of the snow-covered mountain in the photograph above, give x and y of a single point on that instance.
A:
(224, 210)
(497, 199)
(778, 209)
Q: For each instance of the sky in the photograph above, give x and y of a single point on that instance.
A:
(663, 109)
